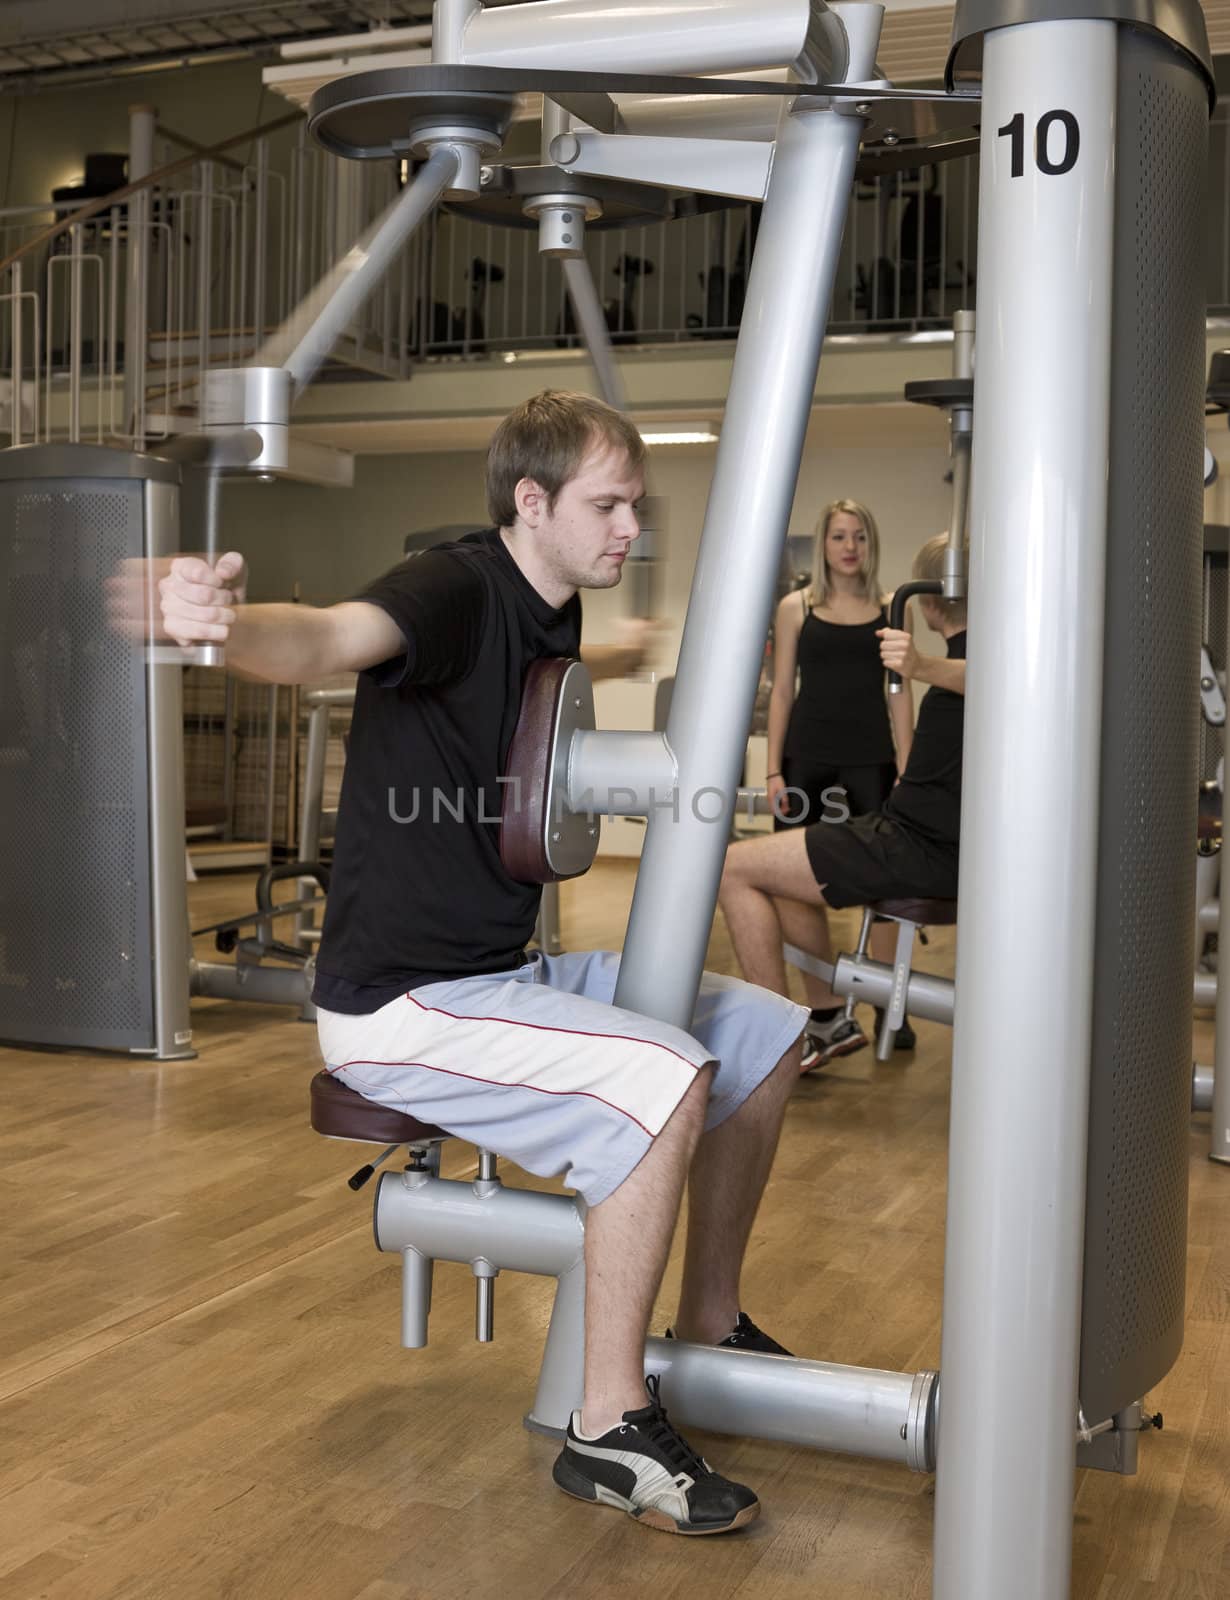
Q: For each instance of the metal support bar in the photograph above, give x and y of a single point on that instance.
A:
(204, 265)
(737, 167)
(18, 354)
(168, 850)
(771, 392)
(75, 303)
(1202, 1087)
(1017, 1150)
(619, 774)
(416, 1283)
(141, 125)
(275, 986)
(315, 328)
(871, 982)
(311, 805)
(547, 929)
(517, 1230)
(895, 1010)
(591, 322)
(665, 36)
(855, 1410)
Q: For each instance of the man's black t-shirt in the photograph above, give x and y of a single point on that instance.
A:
(928, 798)
(418, 892)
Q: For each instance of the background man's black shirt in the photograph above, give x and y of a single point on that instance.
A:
(417, 895)
(928, 798)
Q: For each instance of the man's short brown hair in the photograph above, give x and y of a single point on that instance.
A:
(546, 438)
(929, 563)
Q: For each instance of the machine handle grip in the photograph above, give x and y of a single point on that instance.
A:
(284, 870)
(896, 614)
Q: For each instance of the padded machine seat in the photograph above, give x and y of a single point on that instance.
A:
(339, 1112)
(928, 913)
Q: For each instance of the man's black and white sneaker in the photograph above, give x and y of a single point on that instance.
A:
(646, 1468)
(746, 1336)
(825, 1041)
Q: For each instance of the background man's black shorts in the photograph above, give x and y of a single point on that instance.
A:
(873, 858)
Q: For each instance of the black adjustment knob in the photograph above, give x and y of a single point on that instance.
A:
(359, 1178)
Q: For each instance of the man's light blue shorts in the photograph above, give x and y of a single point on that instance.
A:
(539, 1066)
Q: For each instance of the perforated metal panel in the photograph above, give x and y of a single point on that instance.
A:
(1135, 1246)
(75, 960)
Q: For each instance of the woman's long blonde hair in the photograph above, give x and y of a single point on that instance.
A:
(821, 588)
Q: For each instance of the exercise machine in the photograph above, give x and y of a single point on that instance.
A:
(1065, 1247)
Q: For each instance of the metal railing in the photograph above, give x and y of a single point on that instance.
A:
(219, 250)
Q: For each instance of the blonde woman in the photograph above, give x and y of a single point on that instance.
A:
(837, 748)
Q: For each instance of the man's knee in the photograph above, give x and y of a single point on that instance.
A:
(735, 867)
(687, 1121)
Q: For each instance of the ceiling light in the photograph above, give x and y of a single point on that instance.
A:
(678, 433)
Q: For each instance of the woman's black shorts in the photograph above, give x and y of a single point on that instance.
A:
(817, 793)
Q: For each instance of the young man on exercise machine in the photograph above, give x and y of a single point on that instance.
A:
(427, 999)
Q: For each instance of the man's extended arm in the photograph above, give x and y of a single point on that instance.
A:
(279, 643)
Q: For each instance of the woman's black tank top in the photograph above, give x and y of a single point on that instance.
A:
(841, 714)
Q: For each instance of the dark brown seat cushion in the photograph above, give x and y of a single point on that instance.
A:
(341, 1113)
(932, 913)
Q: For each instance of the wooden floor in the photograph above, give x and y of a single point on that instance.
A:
(202, 1395)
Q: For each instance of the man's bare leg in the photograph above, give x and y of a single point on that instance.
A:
(808, 928)
(729, 1173)
(627, 1238)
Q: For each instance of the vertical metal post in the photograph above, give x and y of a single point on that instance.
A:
(228, 756)
(74, 334)
(771, 392)
(547, 930)
(205, 272)
(260, 240)
(311, 805)
(1016, 1193)
(172, 947)
(271, 770)
(18, 352)
(448, 24)
(141, 122)
(961, 423)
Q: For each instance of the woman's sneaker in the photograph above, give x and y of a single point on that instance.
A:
(825, 1041)
(648, 1469)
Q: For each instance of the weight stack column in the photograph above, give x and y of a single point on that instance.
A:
(1074, 963)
